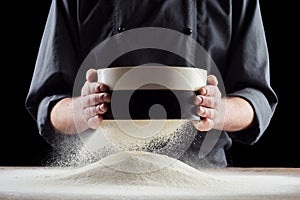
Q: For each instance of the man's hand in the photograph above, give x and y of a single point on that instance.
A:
(210, 106)
(93, 100)
(77, 114)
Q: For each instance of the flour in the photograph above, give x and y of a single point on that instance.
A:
(123, 176)
(139, 171)
(167, 137)
(139, 135)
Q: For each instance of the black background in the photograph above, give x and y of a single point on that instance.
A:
(21, 145)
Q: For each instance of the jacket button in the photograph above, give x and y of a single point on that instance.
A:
(121, 29)
(188, 31)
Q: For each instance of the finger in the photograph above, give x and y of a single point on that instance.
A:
(95, 110)
(91, 75)
(95, 99)
(212, 80)
(103, 87)
(94, 122)
(198, 100)
(91, 88)
(210, 90)
(102, 108)
(207, 112)
(207, 101)
(205, 124)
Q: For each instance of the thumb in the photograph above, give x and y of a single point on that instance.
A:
(212, 80)
(91, 75)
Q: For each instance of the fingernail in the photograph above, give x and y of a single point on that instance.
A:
(106, 97)
(203, 91)
(102, 108)
(198, 100)
(201, 110)
(103, 87)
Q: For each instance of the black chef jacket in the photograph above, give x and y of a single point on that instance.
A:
(231, 31)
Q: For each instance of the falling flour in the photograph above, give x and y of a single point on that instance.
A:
(167, 137)
(139, 135)
(143, 175)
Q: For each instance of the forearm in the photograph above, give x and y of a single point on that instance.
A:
(239, 114)
(65, 120)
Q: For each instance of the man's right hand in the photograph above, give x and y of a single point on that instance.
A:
(94, 100)
(77, 114)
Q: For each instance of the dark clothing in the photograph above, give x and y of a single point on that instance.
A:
(231, 31)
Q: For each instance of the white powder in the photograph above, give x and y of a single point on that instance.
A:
(138, 169)
(167, 137)
(138, 135)
(143, 175)
(127, 170)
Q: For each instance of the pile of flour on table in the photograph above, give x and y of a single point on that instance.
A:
(135, 173)
(143, 176)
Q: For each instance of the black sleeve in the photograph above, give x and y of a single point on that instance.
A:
(248, 74)
(56, 65)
